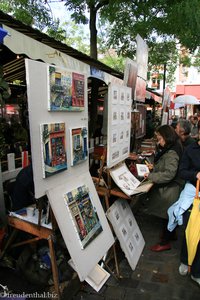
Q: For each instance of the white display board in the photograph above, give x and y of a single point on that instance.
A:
(38, 105)
(84, 259)
(127, 231)
(119, 123)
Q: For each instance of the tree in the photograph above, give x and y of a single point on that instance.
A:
(79, 9)
(163, 24)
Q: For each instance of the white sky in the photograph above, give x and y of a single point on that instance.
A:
(60, 11)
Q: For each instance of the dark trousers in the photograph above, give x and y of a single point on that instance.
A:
(195, 268)
(167, 235)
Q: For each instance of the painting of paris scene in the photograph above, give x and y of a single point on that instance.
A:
(83, 214)
(78, 145)
(66, 90)
(54, 158)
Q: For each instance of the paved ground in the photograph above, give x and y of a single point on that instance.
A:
(155, 277)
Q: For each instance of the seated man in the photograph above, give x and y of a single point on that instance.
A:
(22, 193)
(183, 129)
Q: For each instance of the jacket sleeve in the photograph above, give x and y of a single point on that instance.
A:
(166, 168)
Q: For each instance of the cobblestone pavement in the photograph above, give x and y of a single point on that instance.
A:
(155, 277)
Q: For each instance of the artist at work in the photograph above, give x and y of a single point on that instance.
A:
(167, 184)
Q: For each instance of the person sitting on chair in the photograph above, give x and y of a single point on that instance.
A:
(22, 193)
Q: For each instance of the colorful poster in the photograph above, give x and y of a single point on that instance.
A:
(83, 214)
(54, 157)
(66, 90)
(78, 145)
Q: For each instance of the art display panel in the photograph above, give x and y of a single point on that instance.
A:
(83, 214)
(54, 156)
(119, 124)
(38, 96)
(89, 241)
(66, 89)
(78, 145)
(127, 231)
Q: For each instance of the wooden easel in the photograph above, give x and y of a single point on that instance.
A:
(39, 232)
(107, 192)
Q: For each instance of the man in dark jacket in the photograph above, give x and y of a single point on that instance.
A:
(190, 172)
(22, 194)
(183, 129)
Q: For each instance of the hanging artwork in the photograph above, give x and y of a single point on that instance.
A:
(66, 90)
(83, 214)
(78, 145)
(119, 124)
(54, 158)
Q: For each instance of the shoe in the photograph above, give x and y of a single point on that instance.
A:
(159, 247)
(197, 280)
(183, 269)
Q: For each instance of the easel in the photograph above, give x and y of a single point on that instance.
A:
(107, 192)
(39, 232)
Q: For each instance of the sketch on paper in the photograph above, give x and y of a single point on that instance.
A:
(114, 137)
(122, 116)
(115, 117)
(78, 145)
(115, 154)
(114, 95)
(54, 157)
(83, 214)
(66, 90)
(122, 96)
(142, 169)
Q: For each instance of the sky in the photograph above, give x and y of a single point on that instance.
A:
(59, 10)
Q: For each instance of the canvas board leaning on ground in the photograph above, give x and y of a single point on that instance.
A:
(97, 277)
(127, 231)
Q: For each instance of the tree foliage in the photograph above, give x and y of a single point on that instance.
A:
(36, 13)
(79, 8)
